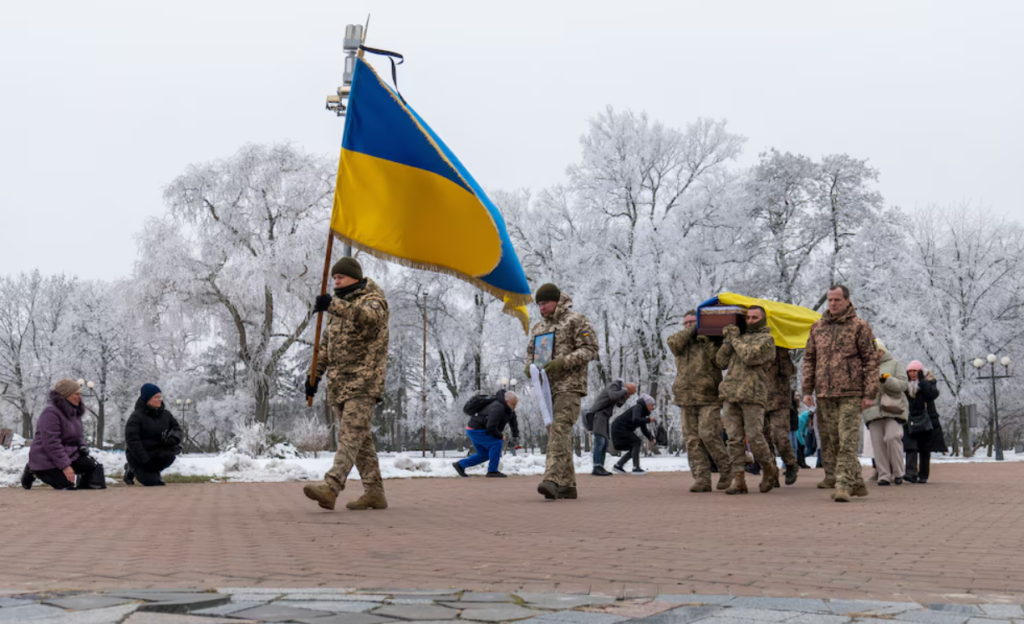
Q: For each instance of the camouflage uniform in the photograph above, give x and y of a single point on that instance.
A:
(576, 346)
(840, 368)
(696, 393)
(745, 393)
(355, 355)
(780, 399)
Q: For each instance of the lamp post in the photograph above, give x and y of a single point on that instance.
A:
(184, 407)
(991, 361)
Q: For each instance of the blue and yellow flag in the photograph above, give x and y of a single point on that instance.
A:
(790, 324)
(402, 195)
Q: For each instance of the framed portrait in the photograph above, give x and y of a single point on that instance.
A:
(543, 349)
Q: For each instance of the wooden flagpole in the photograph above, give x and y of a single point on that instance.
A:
(327, 268)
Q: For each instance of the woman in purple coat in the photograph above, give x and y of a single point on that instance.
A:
(59, 451)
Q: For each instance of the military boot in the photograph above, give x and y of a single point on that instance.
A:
(859, 489)
(841, 495)
(701, 486)
(827, 484)
(549, 489)
(769, 477)
(321, 493)
(373, 499)
(724, 479)
(567, 492)
(791, 471)
(739, 484)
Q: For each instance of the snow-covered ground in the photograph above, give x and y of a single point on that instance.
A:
(234, 466)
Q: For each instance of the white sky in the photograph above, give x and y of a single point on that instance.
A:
(103, 103)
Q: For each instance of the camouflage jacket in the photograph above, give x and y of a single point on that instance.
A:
(354, 348)
(697, 374)
(780, 376)
(575, 343)
(747, 356)
(840, 359)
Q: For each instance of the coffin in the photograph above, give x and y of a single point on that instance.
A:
(711, 320)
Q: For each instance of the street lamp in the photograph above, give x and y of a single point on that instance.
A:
(979, 364)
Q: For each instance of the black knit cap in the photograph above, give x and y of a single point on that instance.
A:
(348, 266)
(547, 292)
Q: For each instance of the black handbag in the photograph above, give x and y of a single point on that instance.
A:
(920, 423)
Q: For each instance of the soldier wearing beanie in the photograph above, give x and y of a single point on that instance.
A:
(572, 344)
(353, 354)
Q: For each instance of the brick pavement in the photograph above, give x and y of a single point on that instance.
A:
(959, 538)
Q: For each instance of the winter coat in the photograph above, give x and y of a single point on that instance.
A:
(840, 359)
(780, 372)
(895, 386)
(58, 434)
(627, 422)
(151, 431)
(924, 402)
(495, 416)
(611, 396)
(575, 344)
(697, 375)
(354, 349)
(747, 357)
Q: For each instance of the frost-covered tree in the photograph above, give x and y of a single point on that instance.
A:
(242, 243)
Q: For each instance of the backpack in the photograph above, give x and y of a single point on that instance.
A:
(477, 403)
(661, 435)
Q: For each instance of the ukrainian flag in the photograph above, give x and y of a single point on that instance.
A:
(402, 195)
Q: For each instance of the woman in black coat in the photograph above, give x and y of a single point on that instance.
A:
(623, 436)
(153, 438)
(922, 431)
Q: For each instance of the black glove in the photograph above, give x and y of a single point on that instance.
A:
(311, 387)
(323, 302)
(83, 451)
(172, 437)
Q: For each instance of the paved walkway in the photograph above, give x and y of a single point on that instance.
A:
(958, 539)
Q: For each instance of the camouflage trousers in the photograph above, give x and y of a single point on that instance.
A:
(746, 420)
(560, 469)
(776, 429)
(839, 426)
(355, 446)
(702, 432)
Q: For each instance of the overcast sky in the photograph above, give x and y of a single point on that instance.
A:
(104, 103)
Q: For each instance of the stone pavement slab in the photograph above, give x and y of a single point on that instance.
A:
(16, 615)
(417, 612)
(577, 617)
(680, 615)
(486, 597)
(274, 612)
(561, 601)
(87, 601)
(506, 613)
(932, 617)
(338, 606)
(178, 618)
(345, 618)
(232, 607)
(1003, 610)
(13, 602)
(871, 607)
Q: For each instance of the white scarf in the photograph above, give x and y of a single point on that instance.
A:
(912, 391)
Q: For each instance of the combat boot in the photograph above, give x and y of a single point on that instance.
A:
(369, 500)
(724, 479)
(321, 493)
(791, 471)
(567, 492)
(827, 484)
(769, 479)
(739, 484)
(841, 495)
(860, 489)
(701, 486)
(549, 489)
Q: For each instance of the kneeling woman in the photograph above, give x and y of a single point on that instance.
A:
(59, 452)
(153, 439)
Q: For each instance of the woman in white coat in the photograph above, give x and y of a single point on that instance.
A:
(886, 417)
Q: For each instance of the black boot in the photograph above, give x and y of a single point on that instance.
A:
(27, 478)
(791, 471)
(129, 476)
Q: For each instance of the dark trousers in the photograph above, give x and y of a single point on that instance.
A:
(600, 449)
(919, 465)
(148, 473)
(83, 467)
(801, 456)
(633, 445)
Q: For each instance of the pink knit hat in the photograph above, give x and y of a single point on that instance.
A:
(915, 365)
